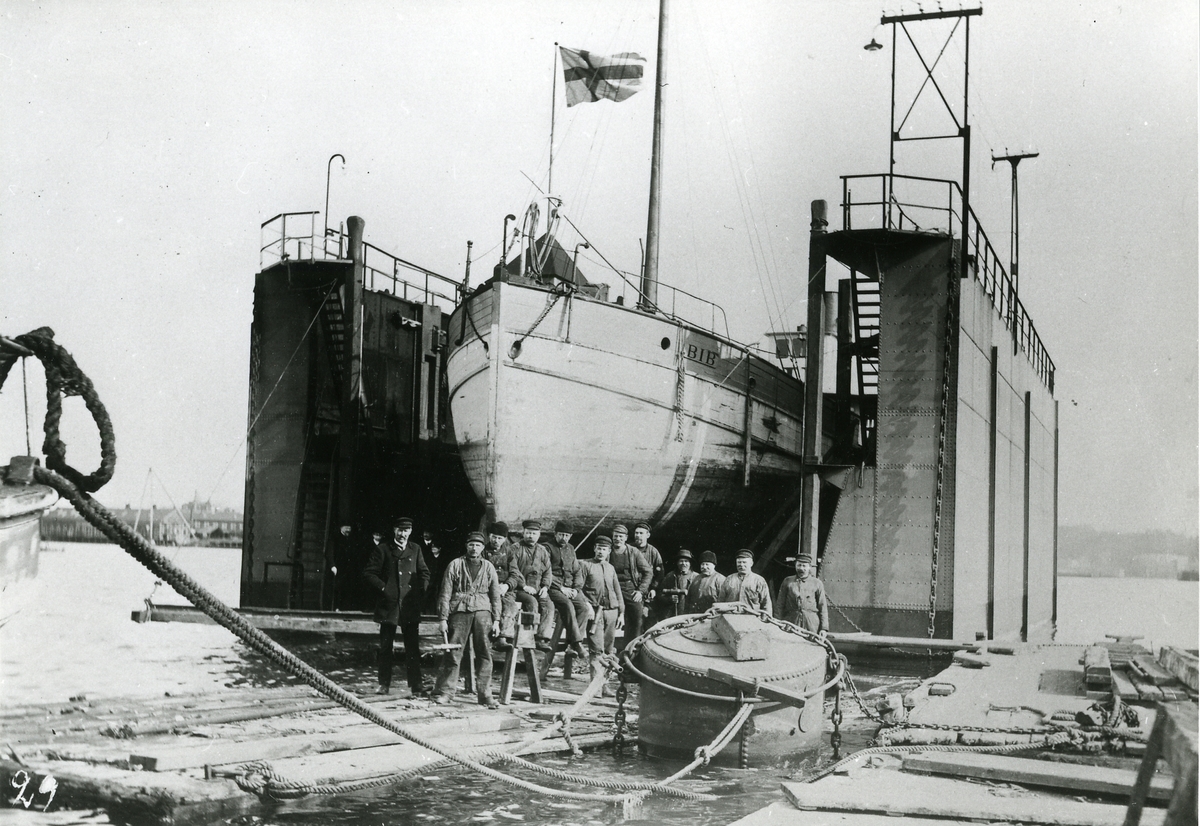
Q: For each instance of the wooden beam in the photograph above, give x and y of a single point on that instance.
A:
(1124, 688)
(757, 688)
(321, 622)
(744, 636)
(1153, 672)
(908, 795)
(1183, 664)
(137, 797)
(1062, 776)
(921, 643)
(1097, 670)
(217, 752)
(1174, 739)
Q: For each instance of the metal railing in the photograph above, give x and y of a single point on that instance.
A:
(677, 314)
(389, 273)
(933, 205)
(293, 236)
(284, 239)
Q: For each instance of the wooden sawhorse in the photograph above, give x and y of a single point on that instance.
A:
(525, 645)
(568, 654)
(1174, 739)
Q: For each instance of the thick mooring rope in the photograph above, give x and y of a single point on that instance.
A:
(68, 379)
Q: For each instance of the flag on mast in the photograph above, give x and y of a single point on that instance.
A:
(590, 77)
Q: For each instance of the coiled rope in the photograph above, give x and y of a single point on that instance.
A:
(69, 379)
(64, 378)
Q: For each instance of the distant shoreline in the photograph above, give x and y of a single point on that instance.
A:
(1184, 576)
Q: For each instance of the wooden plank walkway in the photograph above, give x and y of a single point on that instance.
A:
(987, 697)
(905, 795)
(171, 759)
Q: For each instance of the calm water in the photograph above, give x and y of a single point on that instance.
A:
(68, 632)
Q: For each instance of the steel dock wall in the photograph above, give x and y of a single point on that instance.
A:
(1019, 602)
(995, 535)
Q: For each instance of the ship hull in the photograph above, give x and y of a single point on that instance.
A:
(21, 509)
(571, 408)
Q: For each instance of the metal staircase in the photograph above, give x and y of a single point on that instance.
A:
(333, 325)
(314, 497)
(312, 527)
(865, 291)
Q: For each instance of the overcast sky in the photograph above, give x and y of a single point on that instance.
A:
(142, 144)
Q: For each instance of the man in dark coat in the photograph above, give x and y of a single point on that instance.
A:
(499, 551)
(436, 560)
(705, 588)
(566, 586)
(398, 572)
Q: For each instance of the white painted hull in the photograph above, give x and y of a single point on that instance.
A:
(605, 413)
(21, 509)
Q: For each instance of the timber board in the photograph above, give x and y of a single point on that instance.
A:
(1183, 664)
(216, 752)
(1062, 776)
(1011, 692)
(283, 725)
(785, 814)
(886, 791)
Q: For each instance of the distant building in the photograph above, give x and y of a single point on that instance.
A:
(1155, 566)
(197, 523)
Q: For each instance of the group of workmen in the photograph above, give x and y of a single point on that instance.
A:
(482, 595)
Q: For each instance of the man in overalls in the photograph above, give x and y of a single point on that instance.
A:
(802, 599)
(469, 608)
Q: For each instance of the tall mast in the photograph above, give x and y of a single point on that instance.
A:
(553, 108)
(649, 292)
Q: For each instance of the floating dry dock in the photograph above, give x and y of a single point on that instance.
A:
(930, 769)
(175, 759)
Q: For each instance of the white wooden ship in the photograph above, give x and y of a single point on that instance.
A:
(566, 405)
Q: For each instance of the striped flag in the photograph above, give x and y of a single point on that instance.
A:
(591, 77)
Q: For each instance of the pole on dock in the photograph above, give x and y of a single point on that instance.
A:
(813, 384)
(1014, 238)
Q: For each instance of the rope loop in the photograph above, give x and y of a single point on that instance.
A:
(704, 755)
(64, 378)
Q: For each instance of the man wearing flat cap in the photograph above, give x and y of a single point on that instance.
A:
(398, 572)
(703, 591)
(603, 592)
(802, 599)
(529, 576)
(499, 552)
(641, 541)
(745, 585)
(634, 573)
(468, 609)
(670, 602)
(565, 584)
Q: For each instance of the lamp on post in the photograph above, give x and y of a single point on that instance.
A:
(328, 170)
(1014, 240)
